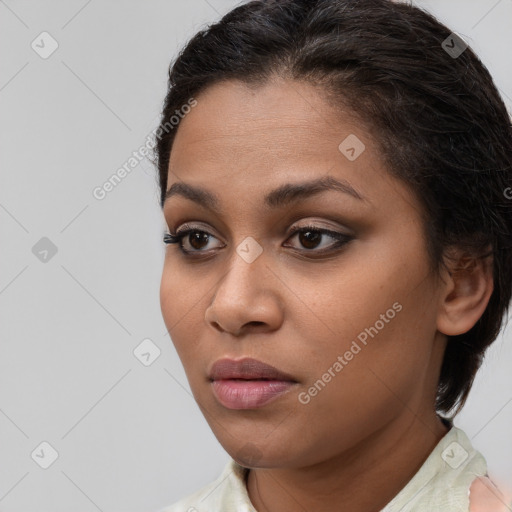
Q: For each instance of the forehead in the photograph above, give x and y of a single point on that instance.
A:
(272, 120)
(249, 140)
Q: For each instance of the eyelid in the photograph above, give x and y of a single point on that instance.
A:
(189, 226)
(339, 238)
(311, 224)
(186, 226)
(318, 227)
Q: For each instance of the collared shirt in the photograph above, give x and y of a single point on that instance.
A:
(442, 484)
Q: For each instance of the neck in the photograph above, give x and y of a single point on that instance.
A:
(367, 477)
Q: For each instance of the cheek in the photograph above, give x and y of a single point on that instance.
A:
(180, 288)
(348, 302)
(169, 292)
(377, 361)
(180, 305)
(377, 313)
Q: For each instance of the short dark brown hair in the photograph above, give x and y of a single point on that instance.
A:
(438, 119)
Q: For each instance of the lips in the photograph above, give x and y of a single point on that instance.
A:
(247, 369)
(248, 383)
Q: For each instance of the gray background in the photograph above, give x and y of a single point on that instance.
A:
(129, 437)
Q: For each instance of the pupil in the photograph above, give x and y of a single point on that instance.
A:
(197, 236)
(309, 239)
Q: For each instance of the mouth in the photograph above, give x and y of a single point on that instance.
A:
(248, 383)
(246, 369)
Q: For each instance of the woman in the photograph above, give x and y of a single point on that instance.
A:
(334, 176)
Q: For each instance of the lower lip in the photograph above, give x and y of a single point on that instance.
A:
(248, 394)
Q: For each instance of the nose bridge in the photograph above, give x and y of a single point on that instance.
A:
(246, 269)
(242, 295)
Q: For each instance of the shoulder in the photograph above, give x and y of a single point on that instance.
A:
(227, 492)
(189, 503)
(193, 502)
(484, 496)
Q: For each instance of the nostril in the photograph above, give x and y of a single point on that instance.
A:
(217, 326)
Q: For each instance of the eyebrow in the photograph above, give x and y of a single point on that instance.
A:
(279, 197)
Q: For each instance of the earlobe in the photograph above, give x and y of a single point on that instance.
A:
(468, 285)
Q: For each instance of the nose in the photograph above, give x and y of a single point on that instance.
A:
(246, 298)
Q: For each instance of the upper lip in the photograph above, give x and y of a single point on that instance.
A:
(248, 369)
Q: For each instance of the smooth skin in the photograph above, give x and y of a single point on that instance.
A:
(300, 304)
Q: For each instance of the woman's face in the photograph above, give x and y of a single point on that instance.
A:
(352, 323)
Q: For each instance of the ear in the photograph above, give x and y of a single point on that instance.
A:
(467, 288)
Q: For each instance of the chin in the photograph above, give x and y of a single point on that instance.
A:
(262, 455)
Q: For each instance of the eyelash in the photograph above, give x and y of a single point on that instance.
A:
(341, 239)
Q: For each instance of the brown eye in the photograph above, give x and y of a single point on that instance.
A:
(310, 239)
(198, 239)
(195, 240)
